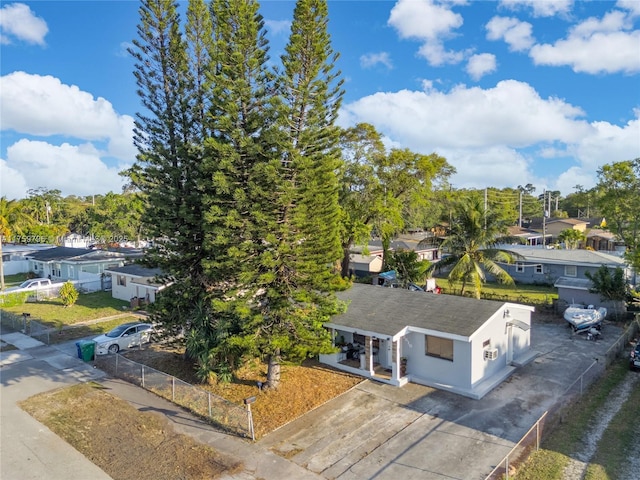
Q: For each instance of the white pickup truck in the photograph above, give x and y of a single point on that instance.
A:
(32, 283)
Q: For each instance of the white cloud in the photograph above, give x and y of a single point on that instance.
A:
(369, 60)
(595, 46)
(608, 143)
(44, 106)
(481, 64)
(511, 113)
(574, 176)
(278, 27)
(504, 130)
(515, 33)
(13, 184)
(540, 8)
(472, 167)
(430, 23)
(632, 5)
(74, 169)
(18, 22)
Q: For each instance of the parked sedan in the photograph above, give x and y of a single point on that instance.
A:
(125, 336)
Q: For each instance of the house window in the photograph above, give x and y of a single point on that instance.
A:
(35, 267)
(570, 271)
(539, 269)
(122, 280)
(519, 267)
(439, 347)
(486, 343)
(56, 270)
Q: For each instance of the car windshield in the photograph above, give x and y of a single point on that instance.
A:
(25, 284)
(116, 332)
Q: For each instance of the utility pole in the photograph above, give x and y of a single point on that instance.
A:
(520, 215)
(485, 208)
(544, 219)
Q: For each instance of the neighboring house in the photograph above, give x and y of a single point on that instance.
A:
(135, 283)
(85, 267)
(453, 343)
(427, 247)
(555, 226)
(527, 236)
(604, 241)
(364, 265)
(14, 256)
(544, 266)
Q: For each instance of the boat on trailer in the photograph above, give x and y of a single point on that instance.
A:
(583, 318)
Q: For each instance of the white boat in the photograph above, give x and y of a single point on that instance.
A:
(582, 318)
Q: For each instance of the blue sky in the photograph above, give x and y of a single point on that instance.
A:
(510, 92)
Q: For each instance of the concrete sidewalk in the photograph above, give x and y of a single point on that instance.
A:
(31, 451)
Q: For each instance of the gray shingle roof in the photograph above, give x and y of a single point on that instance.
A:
(388, 310)
(59, 253)
(545, 255)
(137, 270)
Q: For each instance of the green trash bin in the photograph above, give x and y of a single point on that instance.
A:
(88, 349)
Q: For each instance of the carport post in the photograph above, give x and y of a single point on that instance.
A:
(506, 467)
(142, 376)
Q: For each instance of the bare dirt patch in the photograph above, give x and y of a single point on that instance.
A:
(302, 387)
(122, 441)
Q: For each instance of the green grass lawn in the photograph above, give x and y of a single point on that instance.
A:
(89, 306)
(14, 280)
(535, 294)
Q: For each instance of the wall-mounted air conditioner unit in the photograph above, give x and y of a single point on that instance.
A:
(491, 354)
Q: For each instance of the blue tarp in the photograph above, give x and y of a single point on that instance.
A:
(390, 275)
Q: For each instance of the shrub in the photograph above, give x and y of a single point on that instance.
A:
(68, 294)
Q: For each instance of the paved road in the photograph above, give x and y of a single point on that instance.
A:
(32, 451)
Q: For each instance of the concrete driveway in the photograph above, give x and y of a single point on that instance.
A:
(377, 431)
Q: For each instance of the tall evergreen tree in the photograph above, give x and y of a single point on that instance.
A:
(300, 231)
(167, 172)
(237, 152)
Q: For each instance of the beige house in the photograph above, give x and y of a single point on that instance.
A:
(364, 265)
(554, 226)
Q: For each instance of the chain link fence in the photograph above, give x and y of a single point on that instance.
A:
(25, 324)
(530, 442)
(220, 412)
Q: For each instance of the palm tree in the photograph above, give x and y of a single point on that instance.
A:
(472, 245)
(571, 238)
(12, 220)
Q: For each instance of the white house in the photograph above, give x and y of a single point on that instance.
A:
(453, 343)
(135, 283)
(14, 256)
(84, 267)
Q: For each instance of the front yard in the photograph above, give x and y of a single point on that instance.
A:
(90, 306)
(302, 387)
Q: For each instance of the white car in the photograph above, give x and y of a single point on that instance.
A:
(124, 336)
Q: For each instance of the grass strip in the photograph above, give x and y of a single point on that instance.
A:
(549, 462)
